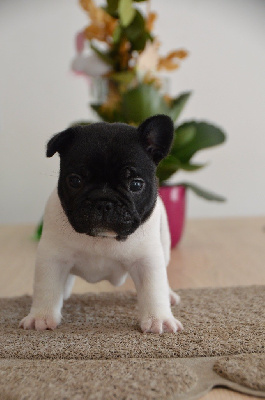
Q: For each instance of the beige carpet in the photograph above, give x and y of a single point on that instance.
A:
(98, 351)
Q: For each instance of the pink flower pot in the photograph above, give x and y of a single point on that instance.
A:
(174, 199)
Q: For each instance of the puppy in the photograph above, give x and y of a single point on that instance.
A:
(105, 221)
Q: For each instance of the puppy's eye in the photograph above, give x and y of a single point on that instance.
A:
(74, 181)
(136, 185)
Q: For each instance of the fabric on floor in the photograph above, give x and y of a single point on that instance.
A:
(247, 369)
(99, 348)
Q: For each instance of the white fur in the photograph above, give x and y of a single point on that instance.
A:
(63, 253)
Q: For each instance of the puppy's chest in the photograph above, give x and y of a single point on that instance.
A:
(85, 247)
(93, 268)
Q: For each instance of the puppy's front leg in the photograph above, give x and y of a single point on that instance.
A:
(51, 273)
(153, 293)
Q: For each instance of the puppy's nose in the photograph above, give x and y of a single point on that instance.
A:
(104, 206)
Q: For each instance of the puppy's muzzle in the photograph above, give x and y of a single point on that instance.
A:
(104, 207)
(105, 213)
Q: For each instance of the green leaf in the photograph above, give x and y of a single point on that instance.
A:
(112, 6)
(167, 167)
(116, 34)
(203, 192)
(188, 139)
(113, 115)
(123, 77)
(149, 101)
(81, 123)
(191, 167)
(142, 102)
(103, 56)
(136, 27)
(126, 12)
(178, 105)
(140, 42)
(170, 165)
(206, 135)
(38, 232)
(183, 136)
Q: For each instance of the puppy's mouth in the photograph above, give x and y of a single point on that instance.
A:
(119, 233)
(107, 234)
(116, 228)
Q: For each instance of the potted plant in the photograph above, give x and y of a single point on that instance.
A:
(119, 55)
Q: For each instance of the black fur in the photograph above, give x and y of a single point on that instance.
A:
(107, 157)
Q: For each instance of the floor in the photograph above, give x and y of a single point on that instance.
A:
(213, 252)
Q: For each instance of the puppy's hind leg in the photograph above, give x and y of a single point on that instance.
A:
(174, 298)
(68, 286)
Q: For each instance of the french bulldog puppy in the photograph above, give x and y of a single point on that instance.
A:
(105, 221)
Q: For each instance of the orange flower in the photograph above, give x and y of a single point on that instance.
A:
(168, 62)
(124, 52)
(149, 24)
(168, 99)
(151, 79)
(102, 24)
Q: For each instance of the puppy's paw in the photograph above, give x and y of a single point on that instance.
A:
(40, 322)
(174, 298)
(161, 325)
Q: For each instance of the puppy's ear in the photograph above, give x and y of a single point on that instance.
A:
(156, 135)
(59, 142)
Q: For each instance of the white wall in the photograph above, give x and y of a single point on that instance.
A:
(39, 96)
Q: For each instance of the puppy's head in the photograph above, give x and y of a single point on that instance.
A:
(107, 184)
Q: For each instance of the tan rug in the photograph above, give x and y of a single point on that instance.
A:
(98, 351)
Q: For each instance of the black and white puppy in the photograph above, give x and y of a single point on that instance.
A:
(105, 221)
